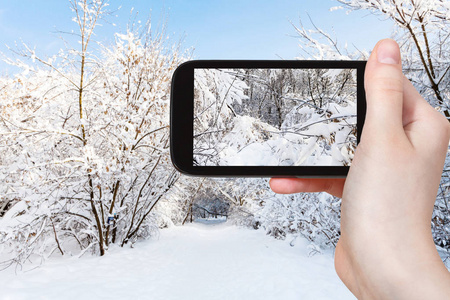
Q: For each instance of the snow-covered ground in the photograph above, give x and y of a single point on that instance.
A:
(204, 260)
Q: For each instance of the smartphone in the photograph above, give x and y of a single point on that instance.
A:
(266, 118)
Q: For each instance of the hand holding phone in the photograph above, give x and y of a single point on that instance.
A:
(386, 248)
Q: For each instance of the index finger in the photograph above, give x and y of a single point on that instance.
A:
(333, 186)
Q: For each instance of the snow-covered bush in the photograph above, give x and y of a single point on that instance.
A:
(85, 143)
(312, 216)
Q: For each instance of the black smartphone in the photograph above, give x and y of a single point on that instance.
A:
(261, 118)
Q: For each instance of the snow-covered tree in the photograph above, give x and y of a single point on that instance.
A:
(423, 28)
(86, 142)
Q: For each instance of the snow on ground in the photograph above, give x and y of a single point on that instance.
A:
(204, 260)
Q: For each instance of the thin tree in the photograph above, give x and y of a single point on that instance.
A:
(88, 13)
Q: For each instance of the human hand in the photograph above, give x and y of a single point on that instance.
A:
(386, 248)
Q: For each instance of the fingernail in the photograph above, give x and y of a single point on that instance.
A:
(388, 52)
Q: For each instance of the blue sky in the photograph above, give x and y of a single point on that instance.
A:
(246, 29)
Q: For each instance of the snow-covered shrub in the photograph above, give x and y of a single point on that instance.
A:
(85, 143)
(313, 216)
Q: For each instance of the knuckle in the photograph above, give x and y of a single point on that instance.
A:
(440, 128)
(447, 126)
(445, 131)
(328, 186)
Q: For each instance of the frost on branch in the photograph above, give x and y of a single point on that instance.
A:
(423, 28)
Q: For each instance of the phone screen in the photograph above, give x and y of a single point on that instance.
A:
(274, 117)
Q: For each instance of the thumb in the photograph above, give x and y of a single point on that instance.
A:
(384, 92)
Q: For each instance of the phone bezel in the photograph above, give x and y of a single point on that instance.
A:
(182, 111)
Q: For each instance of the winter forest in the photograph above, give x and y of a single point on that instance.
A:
(277, 117)
(84, 135)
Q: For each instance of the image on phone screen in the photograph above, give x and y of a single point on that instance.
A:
(274, 117)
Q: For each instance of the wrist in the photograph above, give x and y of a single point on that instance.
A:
(402, 270)
(423, 277)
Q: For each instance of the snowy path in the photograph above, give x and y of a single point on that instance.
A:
(197, 261)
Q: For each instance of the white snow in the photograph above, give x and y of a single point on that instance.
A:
(209, 260)
(245, 145)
